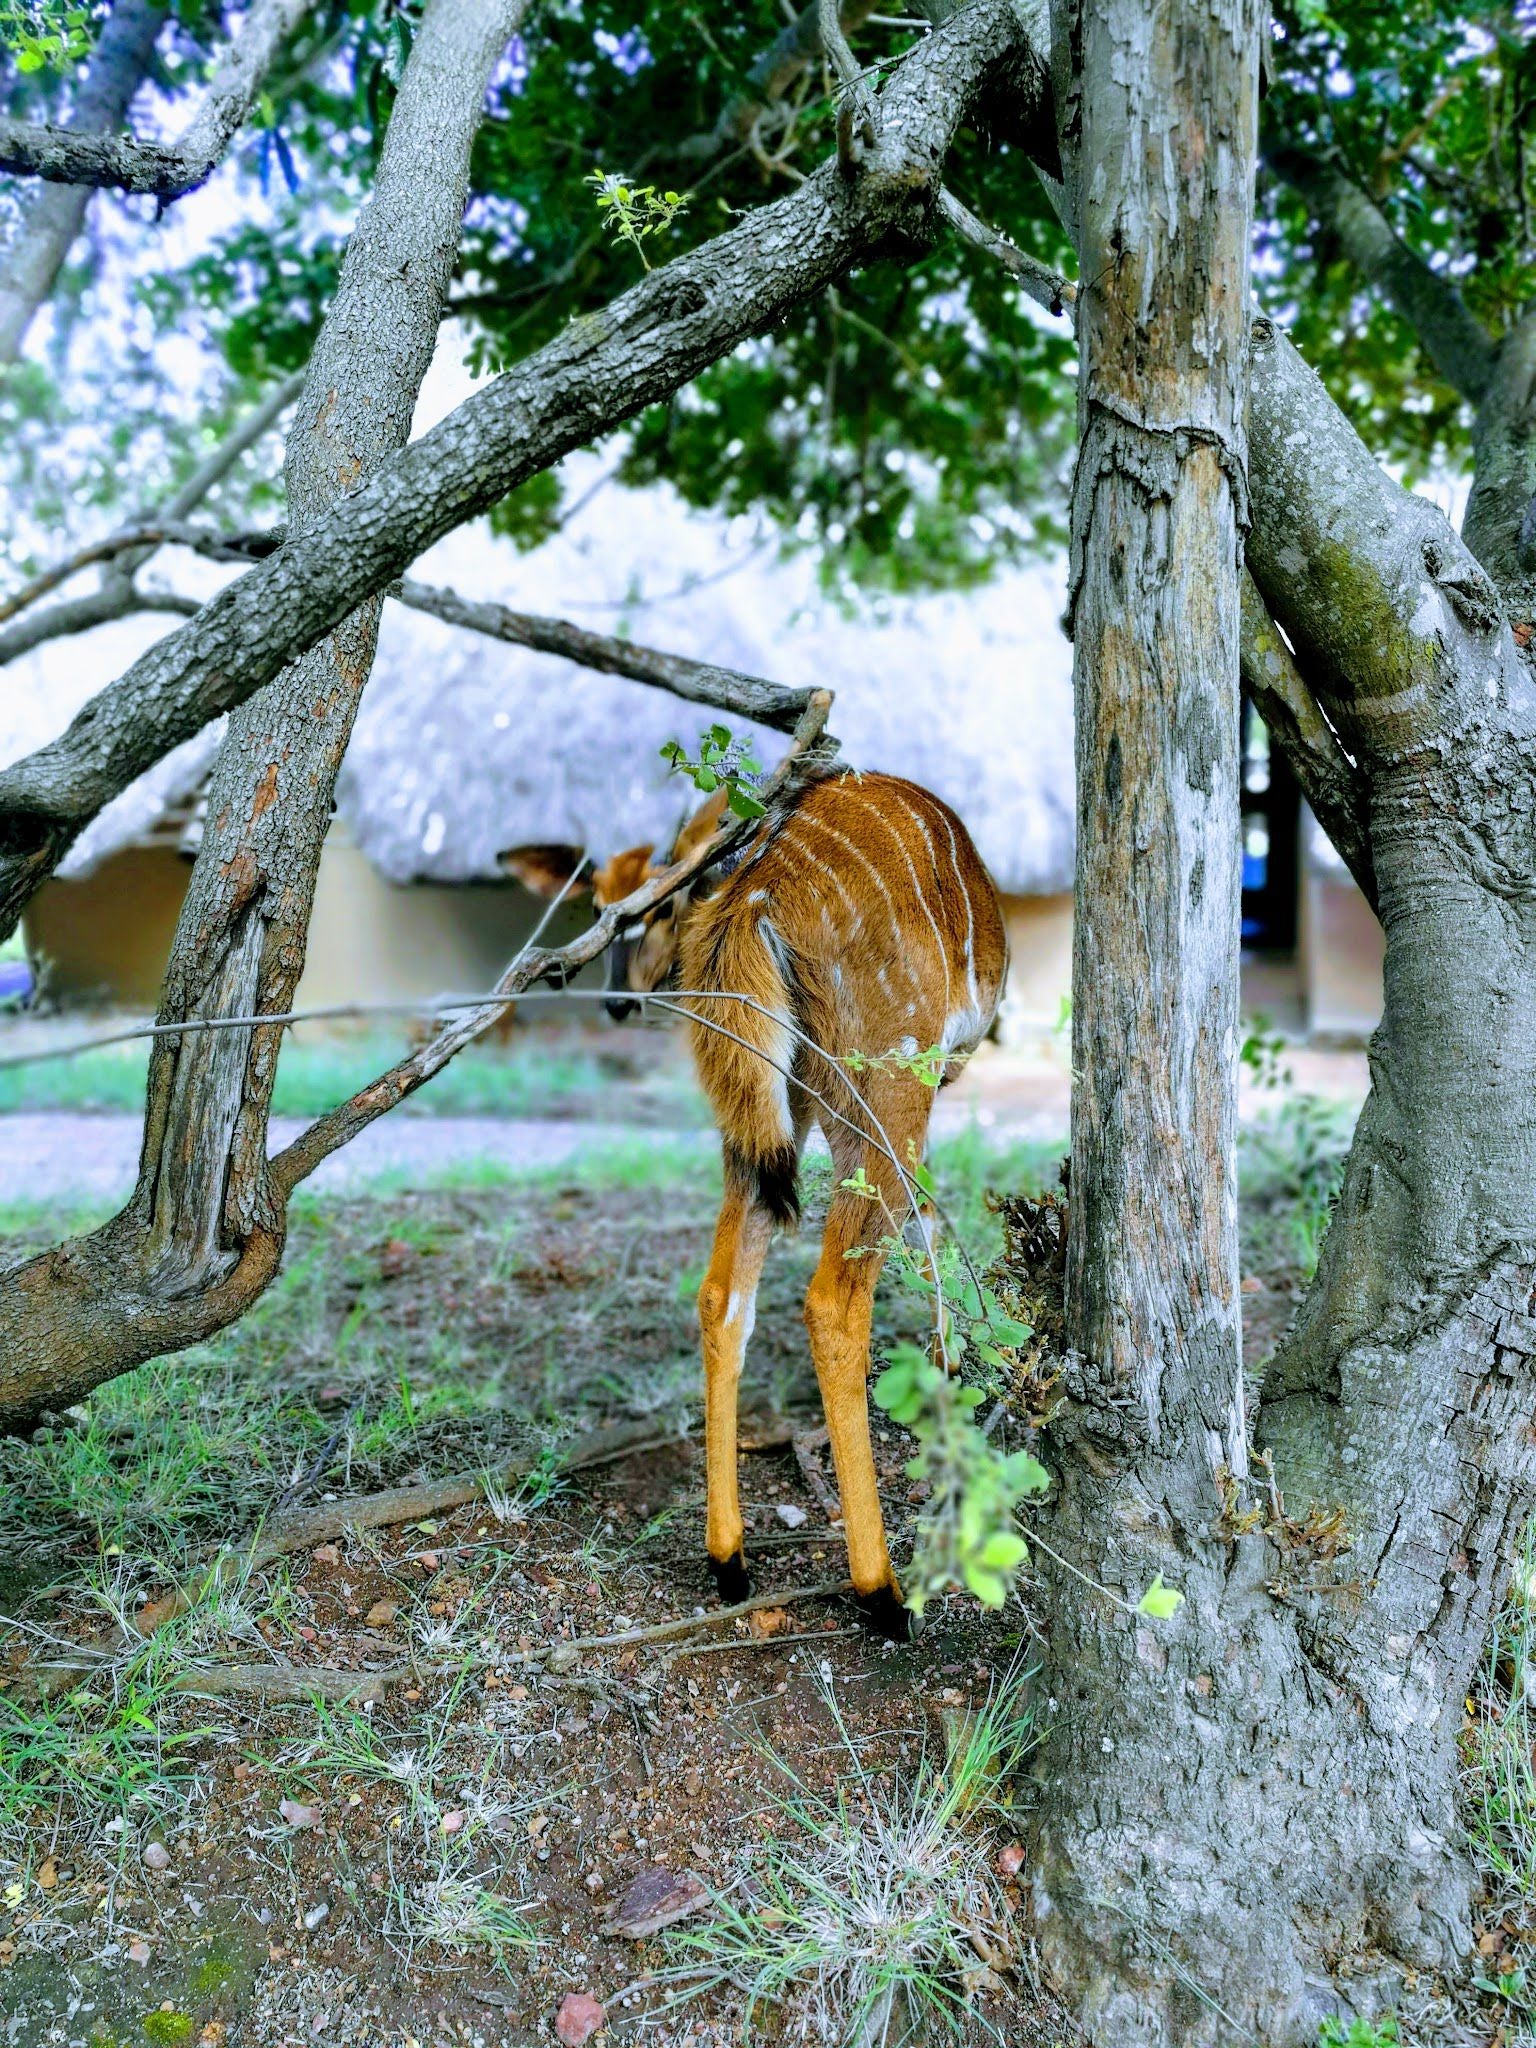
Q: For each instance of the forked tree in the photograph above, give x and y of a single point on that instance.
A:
(1247, 1813)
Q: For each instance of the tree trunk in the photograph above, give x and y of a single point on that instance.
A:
(1163, 107)
(1248, 1813)
(203, 1231)
(55, 214)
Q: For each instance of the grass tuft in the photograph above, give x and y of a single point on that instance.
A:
(875, 1917)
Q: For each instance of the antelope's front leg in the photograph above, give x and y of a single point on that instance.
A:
(727, 1307)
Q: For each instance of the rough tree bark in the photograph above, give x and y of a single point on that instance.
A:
(56, 213)
(1248, 1816)
(1163, 122)
(203, 1231)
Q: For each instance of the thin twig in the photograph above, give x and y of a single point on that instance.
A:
(1045, 286)
(665, 1631)
(856, 130)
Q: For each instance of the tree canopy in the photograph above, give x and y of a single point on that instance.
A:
(914, 423)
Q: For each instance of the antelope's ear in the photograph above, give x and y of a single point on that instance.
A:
(621, 876)
(546, 870)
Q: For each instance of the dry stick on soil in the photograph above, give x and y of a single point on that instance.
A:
(293, 1682)
(666, 1631)
(385, 1510)
(410, 1503)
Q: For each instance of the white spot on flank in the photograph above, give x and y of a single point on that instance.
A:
(837, 975)
(436, 832)
(758, 896)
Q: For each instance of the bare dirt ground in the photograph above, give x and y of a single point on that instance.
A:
(444, 1866)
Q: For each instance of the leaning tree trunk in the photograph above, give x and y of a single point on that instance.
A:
(1248, 1813)
(203, 1232)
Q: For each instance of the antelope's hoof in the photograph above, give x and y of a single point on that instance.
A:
(731, 1580)
(884, 1614)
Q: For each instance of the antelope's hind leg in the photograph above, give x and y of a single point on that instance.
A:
(727, 1309)
(838, 1312)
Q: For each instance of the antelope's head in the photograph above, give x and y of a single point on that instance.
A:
(643, 955)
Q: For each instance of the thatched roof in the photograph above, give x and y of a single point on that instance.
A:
(464, 747)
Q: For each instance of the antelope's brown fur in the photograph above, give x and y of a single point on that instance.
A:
(860, 919)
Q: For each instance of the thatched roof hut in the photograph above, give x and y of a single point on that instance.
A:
(465, 746)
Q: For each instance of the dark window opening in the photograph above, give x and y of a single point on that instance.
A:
(1271, 823)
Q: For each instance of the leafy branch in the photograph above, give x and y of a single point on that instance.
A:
(635, 212)
(722, 763)
(42, 35)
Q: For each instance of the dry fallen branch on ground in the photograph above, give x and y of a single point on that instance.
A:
(312, 1526)
(292, 1682)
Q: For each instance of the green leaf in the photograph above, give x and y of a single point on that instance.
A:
(1004, 1552)
(1024, 1474)
(1159, 1601)
(989, 1588)
(1008, 1330)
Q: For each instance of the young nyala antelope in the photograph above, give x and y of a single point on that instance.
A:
(856, 919)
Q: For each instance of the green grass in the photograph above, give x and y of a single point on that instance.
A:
(868, 1912)
(119, 1746)
(169, 1458)
(531, 1077)
(1499, 1748)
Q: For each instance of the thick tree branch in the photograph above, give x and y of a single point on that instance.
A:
(1500, 524)
(599, 372)
(1325, 772)
(1396, 627)
(65, 156)
(699, 682)
(53, 218)
(1455, 340)
(339, 1126)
